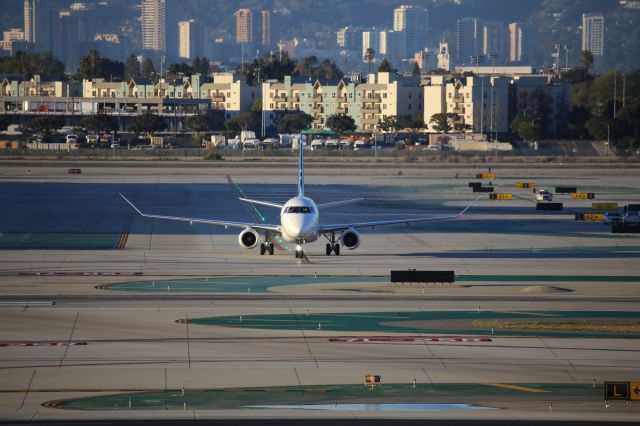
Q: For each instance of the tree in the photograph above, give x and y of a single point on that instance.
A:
(131, 67)
(341, 123)
(29, 65)
(45, 125)
(369, 56)
(586, 59)
(294, 123)
(147, 123)
(415, 71)
(212, 120)
(201, 65)
(269, 66)
(147, 70)
(178, 70)
(385, 66)
(443, 122)
(389, 124)
(100, 123)
(256, 106)
(529, 129)
(243, 121)
(311, 67)
(93, 66)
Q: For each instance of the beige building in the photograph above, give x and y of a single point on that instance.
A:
(244, 26)
(387, 94)
(154, 25)
(189, 38)
(516, 38)
(480, 103)
(266, 28)
(229, 93)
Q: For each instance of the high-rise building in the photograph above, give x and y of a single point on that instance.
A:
(154, 26)
(190, 39)
(244, 26)
(40, 23)
(370, 40)
(469, 34)
(266, 28)
(517, 40)
(495, 41)
(28, 21)
(593, 33)
(349, 38)
(413, 21)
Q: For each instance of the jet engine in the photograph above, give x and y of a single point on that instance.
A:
(351, 239)
(248, 238)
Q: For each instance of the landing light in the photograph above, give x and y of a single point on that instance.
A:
(298, 247)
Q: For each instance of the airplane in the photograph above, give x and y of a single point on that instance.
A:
(299, 223)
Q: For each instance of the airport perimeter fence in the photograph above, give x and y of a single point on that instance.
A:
(420, 154)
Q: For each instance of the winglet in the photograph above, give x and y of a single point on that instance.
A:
(469, 206)
(131, 204)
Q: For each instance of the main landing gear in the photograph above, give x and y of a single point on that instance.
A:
(266, 247)
(332, 246)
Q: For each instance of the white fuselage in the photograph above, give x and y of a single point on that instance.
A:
(299, 220)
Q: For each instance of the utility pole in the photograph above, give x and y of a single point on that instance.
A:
(615, 93)
(566, 58)
(624, 86)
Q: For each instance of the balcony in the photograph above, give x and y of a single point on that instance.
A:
(458, 110)
(372, 121)
(218, 98)
(280, 97)
(371, 109)
(317, 109)
(458, 98)
(341, 110)
(317, 121)
(374, 99)
(317, 98)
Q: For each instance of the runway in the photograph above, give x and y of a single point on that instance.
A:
(177, 306)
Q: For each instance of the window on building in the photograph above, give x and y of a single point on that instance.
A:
(449, 94)
(410, 95)
(271, 106)
(467, 95)
(384, 95)
(409, 106)
(229, 94)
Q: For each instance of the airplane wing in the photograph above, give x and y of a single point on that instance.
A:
(340, 203)
(258, 226)
(262, 203)
(323, 229)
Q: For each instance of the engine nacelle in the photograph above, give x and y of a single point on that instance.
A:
(248, 238)
(350, 239)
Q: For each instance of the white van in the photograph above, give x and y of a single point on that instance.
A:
(316, 144)
(332, 144)
(345, 144)
(359, 145)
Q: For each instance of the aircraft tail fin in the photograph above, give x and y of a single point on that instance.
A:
(301, 170)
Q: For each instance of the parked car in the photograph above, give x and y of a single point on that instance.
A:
(612, 218)
(544, 195)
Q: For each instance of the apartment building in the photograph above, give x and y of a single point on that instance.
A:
(385, 94)
(480, 103)
(229, 93)
(543, 93)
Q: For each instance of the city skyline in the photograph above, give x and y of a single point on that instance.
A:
(404, 37)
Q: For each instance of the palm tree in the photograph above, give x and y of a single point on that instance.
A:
(369, 56)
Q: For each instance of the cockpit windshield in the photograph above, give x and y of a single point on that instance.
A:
(299, 209)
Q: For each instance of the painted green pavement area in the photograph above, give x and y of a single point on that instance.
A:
(236, 398)
(428, 322)
(37, 241)
(262, 284)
